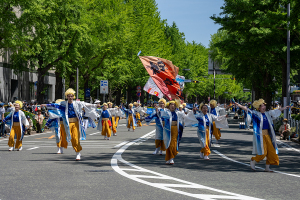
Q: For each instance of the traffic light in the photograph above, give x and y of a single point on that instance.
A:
(196, 81)
(233, 78)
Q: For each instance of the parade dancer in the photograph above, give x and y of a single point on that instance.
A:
(205, 123)
(264, 139)
(104, 123)
(186, 110)
(217, 111)
(17, 120)
(136, 109)
(172, 119)
(55, 123)
(159, 143)
(139, 112)
(130, 117)
(119, 113)
(113, 118)
(71, 113)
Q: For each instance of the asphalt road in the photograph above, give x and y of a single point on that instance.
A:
(124, 168)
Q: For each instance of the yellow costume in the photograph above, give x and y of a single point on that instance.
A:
(269, 151)
(16, 130)
(206, 149)
(63, 138)
(171, 152)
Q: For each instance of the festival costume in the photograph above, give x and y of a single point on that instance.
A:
(139, 111)
(159, 143)
(217, 111)
(205, 128)
(71, 114)
(57, 126)
(130, 118)
(17, 121)
(104, 123)
(113, 112)
(170, 134)
(264, 139)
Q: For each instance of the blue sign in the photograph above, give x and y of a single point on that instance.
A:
(87, 92)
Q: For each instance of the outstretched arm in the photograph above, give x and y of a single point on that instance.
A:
(242, 107)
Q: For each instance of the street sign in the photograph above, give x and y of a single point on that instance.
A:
(138, 101)
(138, 94)
(104, 87)
(87, 94)
(138, 88)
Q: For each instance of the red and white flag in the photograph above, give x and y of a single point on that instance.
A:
(152, 88)
(163, 73)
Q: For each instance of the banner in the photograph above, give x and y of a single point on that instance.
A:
(163, 73)
(152, 88)
(180, 80)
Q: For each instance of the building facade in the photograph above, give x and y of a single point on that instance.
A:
(22, 86)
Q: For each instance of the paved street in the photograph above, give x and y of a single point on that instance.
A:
(124, 168)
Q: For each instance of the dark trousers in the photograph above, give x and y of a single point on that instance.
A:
(38, 128)
(2, 129)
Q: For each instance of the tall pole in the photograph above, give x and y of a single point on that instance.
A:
(214, 80)
(286, 112)
(77, 81)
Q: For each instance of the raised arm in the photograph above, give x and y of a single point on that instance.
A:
(242, 107)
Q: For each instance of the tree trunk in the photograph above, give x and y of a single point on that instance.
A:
(40, 86)
(72, 80)
(118, 97)
(129, 95)
(58, 85)
(142, 96)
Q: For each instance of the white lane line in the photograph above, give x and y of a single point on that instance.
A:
(94, 133)
(288, 146)
(223, 156)
(169, 187)
(121, 144)
(32, 148)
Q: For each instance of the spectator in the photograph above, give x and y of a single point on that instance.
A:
(285, 130)
(39, 121)
(2, 124)
(10, 107)
(30, 125)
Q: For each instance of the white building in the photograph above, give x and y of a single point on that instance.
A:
(22, 86)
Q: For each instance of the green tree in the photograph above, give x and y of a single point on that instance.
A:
(255, 44)
(49, 35)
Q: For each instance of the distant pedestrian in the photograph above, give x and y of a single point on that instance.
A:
(39, 121)
(285, 130)
(30, 125)
(2, 125)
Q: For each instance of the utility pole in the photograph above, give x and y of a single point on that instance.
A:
(214, 80)
(286, 112)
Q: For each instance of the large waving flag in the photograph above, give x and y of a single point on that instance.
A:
(152, 88)
(163, 73)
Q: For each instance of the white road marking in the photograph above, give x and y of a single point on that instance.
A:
(121, 144)
(94, 133)
(169, 187)
(32, 148)
(288, 146)
(223, 156)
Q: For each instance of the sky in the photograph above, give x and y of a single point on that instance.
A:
(192, 17)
